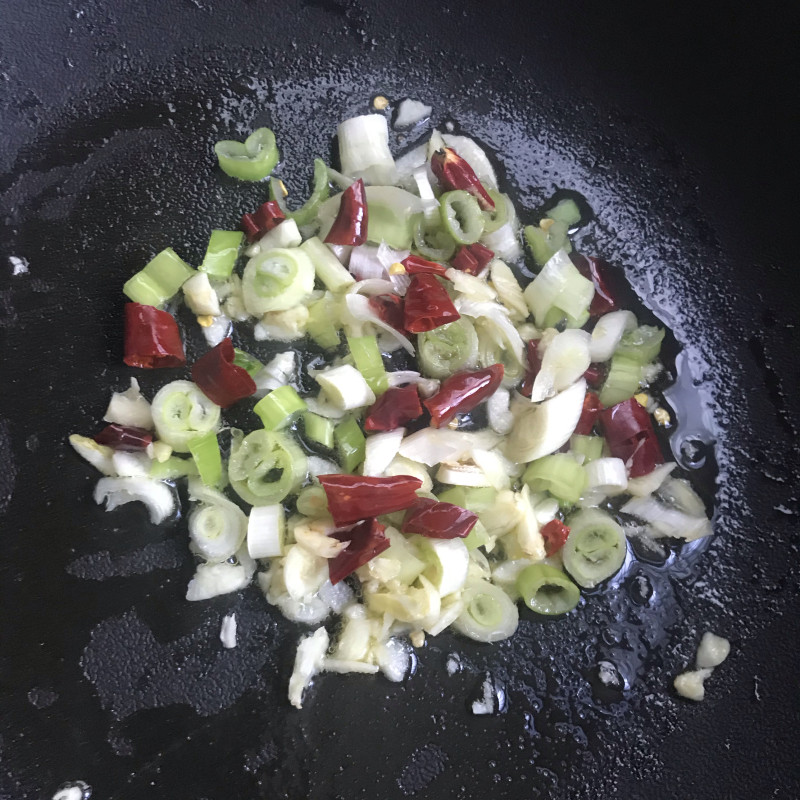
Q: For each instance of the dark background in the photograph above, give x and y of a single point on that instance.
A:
(108, 676)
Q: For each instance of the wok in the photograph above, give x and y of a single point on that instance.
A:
(676, 129)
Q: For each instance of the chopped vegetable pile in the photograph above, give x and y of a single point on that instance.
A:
(508, 458)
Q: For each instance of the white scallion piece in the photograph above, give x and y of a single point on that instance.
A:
(565, 360)
(432, 446)
(345, 387)
(100, 456)
(605, 477)
(131, 465)
(265, 531)
(558, 284)
(448, 561)
(129, 408)
(607, 333)
(157, 496)
(227, 632)
(280, 371)
(200, 295)
(380, 450)
(364, 149)
(665, 521)
(648, 484)
(213, 579)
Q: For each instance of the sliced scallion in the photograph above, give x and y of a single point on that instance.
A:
(327, 267)
(279, 408)
(622, 381)
(247, 362)
(489, 614)
(221, 253)
(159, 279)
(181, 413)
(206, 454)
(308, 211)
(431, 240)
(277, 280)
(312, 502)
(251, 160)
(590, 447)
(642, 345)
(560, 474)
(595, 548)
(547, 590)
(318, 429)
(320, 326)
(369, 362)
(350, 444)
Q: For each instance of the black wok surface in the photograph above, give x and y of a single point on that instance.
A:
(676, 128)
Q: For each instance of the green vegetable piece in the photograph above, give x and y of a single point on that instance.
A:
(547, 590)
(489, 614)
(544, 244)
(405, 551)
(327, 267)
(477, 537)
(320, 192)
(247, 362)
(159, 280)
(560, 474)
(206, 454)
(277, 280)
(622, 381)
(251, 160)
(318, 429)
(266, 466)
(643, 344)
(221, 253)
(461, 216)
(312, 502)
(173, 467)
(566, 212)
(279, 408)
(182, 413)
(595, 548)
(321, 326)
(495, 218)
(350, 444)
(431, 240)
(448, 349)
(590, 447)
(369, 362)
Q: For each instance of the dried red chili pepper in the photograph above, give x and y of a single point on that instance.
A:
(366, 540)
(472, 258)
(589, 415)
(416, 265)
(596, 270)
(455, 173)
(427, 305)
(437, 520)
(596, 375)
(222, 381)
(629, 434)
(152, 338)
(127, 438)
(389, 307)
(355, 497)
(534, 365)
(461, 392)
(554, 534)
(350, 225)
(266, 217)
(393, 409)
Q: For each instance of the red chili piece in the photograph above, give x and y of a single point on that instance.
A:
(355, 497)
(427, 305)
(389, 307)
(596, 269)
(460, 393)
(554, 534)
(629, 434)
(455, 173)
(534, 365)
(127, 438)
(350, 225)
(589, 415)
(366, 540)
(472, 258)
(152, 338)
(266, 217)
(436, 520)
(394, 408)
(222, 381)
(595, 375)
(416, 265)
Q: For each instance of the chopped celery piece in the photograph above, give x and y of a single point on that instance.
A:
(251, 160)
(159, 280)
(622, 382)
(173, 467)
(641, 345)
(545, 243)
(560, 474)
(308, 211)
(266, 466)
(279, 408)
(450, 348)
(566, 212)
(247, 362)
(369, 362)
(206, 454)
(221, 253)
(318, 429)
(320, 325)
(461, 216)
(327, 267)
(590, 447)
(547, 590)
(350, 444)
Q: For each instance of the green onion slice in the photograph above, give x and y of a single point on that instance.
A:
(251, 160)
(318, 429)
(182, 413)
(560, 474)
(489, 614)
(448, 349)
(279, 408)
(642, 344)
(595, 548)
(369, 362)
(351, 444)
(206, 454)
(247, 362)
(159, 279)
(622, 381)
(308, 211)
(431, 240)
(277, 280)
(221, 253)
(266, 466)
(312, 502)
(547, 590)
(495, 218)
(461, 216)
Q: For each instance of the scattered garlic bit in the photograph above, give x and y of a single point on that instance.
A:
(417, 638)
(308, 662)
(380, 103)
(410, 112)
(713, 650)
(662, 416)
(227, 633)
